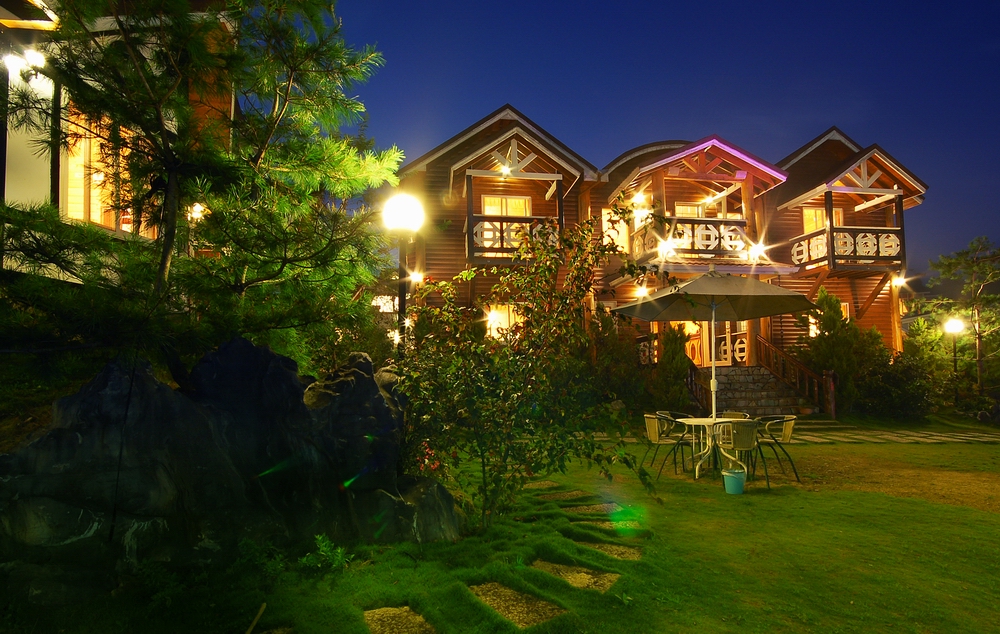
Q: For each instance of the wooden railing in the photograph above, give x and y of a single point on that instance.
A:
(851, 246)
(701, 392)
(668, 236)
(498, 236)
(791, 371)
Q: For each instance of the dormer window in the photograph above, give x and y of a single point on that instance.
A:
(506, 205)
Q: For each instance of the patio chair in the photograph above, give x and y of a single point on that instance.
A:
(783, 425)
(659, 430)
(683, 439)
(740, 437)
(733, 414)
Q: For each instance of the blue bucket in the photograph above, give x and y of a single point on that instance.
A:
(734, 479)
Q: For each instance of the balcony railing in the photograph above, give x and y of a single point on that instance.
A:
(494, 237)
(881, 246)
(691, 237)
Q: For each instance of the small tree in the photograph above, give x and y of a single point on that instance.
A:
(978, 268)
(524, 402)
(869, 378)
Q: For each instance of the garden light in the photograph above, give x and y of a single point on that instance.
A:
(403, 214)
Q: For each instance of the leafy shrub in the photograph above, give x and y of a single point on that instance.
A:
(326, 557)
(262, 559)
(868, 378)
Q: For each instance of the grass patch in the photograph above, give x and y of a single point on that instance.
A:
(798, 558)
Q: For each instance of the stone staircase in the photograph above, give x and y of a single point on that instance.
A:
(756, 391)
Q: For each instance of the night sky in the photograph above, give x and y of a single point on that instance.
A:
(921, 79)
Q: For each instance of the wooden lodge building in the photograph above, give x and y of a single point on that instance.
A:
(830, 214)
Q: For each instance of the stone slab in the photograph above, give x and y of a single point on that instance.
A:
(617, 551)
(578, 576)
(396, 621)
(521, 609)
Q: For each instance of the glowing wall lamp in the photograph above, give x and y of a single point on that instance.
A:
(404, 215)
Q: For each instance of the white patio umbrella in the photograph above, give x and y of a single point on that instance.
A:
(716, 297)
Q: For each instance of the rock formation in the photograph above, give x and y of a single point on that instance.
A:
(135, 470)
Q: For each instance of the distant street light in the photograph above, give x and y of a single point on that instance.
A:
(404, 215)
(954, 327)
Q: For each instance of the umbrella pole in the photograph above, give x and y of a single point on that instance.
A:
(714, 384)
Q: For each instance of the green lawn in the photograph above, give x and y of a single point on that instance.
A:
(815, 557)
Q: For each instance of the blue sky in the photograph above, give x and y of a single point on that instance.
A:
(920, 79)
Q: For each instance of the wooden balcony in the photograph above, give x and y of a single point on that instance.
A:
(691, 238)
(854, 248)
(497, 238)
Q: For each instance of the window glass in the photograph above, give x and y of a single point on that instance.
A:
(506, 206)
(687, 210)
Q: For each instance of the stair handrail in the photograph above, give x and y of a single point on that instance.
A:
(793, 373)
(701, 392)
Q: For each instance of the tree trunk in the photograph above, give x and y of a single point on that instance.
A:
(977, 326)
(171, 202)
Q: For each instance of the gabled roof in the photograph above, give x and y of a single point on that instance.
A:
(797, 189)
(506, 112)
(833, 134)
(690, 149)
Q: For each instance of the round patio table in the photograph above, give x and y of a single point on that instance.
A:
(704, 428)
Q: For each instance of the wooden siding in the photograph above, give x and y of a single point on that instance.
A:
(785, 331)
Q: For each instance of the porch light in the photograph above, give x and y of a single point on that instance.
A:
(505, 170)
(757, 251)
(898, 281)
(665, 249)
(417, 278)
(639, 198)
(641, 291)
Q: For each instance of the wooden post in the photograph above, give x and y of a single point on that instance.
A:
(828, 203)
(902, 236)
(559, 205)
(469, 228)
(55, 129)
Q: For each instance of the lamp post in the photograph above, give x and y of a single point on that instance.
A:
(954, 327)
(404, 215)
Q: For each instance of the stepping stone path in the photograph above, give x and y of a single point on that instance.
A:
(609, 508)
(614, 550)
(563, 495)
(397, 621)
(577, 576)
(541, 484)
(627, 524)
(525, 610)
(818, 432)
(521, 609)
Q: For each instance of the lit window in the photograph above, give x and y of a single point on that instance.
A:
(688, 210)
(814, 219)
(615, 231)
(813, 327)
(500, 318)
(506, 206)
(845, 310)
(385, 303)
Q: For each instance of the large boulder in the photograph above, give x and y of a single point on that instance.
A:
(134, 470)
(358, 423)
